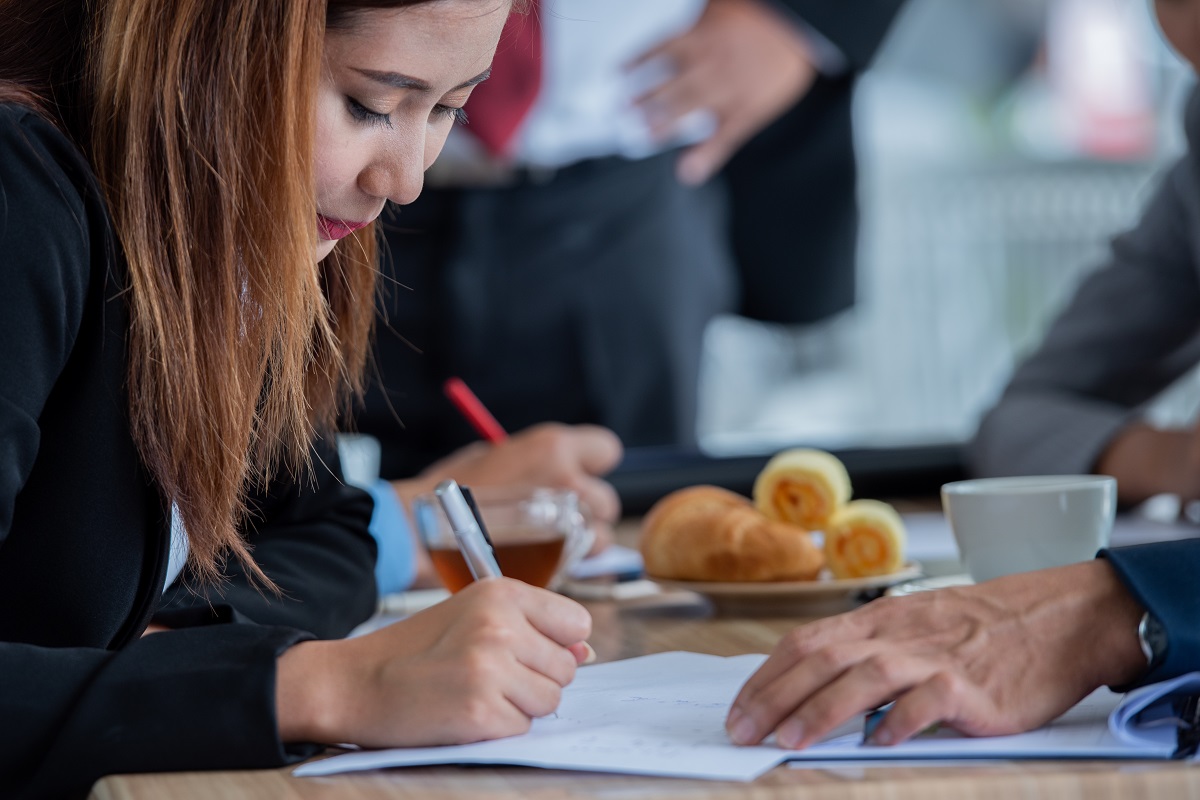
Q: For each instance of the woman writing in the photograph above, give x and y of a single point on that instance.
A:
(186, 269)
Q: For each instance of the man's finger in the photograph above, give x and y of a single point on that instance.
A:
(660, 50)
(795, 646)
(867, 684)
(939, 697)
(701, 86)
(757, 712)
(670, 50)
(736, 124)
(700, 162)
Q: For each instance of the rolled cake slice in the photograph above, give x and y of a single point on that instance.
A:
(863, 539)
(803, 487)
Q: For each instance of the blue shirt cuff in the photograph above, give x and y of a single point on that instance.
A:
(396, 567)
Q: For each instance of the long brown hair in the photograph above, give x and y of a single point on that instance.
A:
(198, 117)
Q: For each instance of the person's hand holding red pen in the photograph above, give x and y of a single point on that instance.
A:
(549, 454)
(571, 457)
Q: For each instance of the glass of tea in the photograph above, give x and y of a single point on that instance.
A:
(536, 533)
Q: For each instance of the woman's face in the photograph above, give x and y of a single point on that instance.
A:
(392, 84)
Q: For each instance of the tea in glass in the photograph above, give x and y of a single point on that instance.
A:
(534, 532)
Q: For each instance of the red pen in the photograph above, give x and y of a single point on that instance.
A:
(475, 412)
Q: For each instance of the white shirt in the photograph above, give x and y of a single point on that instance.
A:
(585, 106)
(179, 548)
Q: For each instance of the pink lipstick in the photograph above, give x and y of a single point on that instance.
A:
(331, 229)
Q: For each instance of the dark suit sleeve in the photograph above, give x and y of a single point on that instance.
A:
(194, 699)
(856, 27)
(311, 539)
(1165, 579)
(44, 273)
(1131, 329)
(792, 188)
(202, 698)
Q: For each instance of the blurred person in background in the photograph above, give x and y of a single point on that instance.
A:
(1133, 327)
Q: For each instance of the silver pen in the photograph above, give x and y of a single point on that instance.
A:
(471, 542)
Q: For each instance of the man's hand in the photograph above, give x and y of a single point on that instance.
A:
(744, 63)
(1147, 461)
(999, 658)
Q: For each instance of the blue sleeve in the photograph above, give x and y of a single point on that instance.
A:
(396, 566)
(1165, 579)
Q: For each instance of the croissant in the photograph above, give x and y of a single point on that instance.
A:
(803, 487)
(864, 538)
(704, 533)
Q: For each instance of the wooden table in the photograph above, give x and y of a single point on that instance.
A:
(680, 621)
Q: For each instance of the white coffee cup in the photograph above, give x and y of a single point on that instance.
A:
(1007, 525)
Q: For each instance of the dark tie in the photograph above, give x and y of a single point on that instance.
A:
(499, 105)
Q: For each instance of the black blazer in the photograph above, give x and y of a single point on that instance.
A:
(793, 188)
(84, 531)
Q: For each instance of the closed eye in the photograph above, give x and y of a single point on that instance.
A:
(457, 114)
(366, 115)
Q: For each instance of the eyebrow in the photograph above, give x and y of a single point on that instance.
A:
(395, 80)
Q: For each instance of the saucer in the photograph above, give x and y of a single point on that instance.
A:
(929, 584)
(787, 596)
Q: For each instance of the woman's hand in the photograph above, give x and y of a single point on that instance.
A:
(480, 665)
(1002, 657)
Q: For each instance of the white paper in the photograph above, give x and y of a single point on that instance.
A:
(665, 715)
(655, 715)
(928, 537)
(1082, 732)
(1130, 529)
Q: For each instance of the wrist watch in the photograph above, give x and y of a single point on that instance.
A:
(1152, 637)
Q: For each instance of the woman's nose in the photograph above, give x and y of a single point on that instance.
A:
(397, 172)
